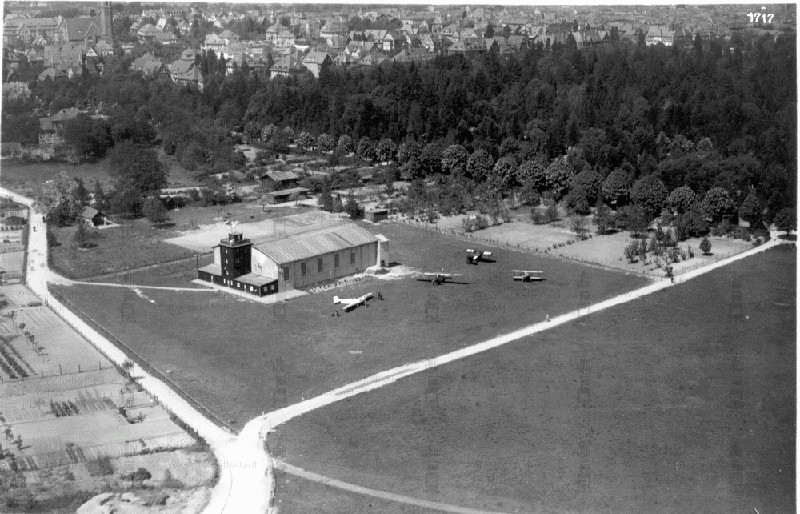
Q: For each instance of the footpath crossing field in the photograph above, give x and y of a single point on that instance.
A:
(683, 400)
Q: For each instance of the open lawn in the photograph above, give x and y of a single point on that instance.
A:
(133, 244)
(683, 401)
(136, 243)
(241, 358)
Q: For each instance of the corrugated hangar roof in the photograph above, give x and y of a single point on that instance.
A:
(320, 242)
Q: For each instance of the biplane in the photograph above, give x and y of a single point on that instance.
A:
(439, 277)
(475, 256)
(528, 276)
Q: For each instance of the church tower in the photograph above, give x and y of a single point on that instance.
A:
(106, 22)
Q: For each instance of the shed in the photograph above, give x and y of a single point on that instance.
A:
(376, 215)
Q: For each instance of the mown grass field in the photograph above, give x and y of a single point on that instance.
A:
(137, 243)
(683, 401)
(242, 358)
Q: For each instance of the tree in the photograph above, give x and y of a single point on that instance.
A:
(79, 193)
(154, 210)
(345, 144)
(338, 206)
(89, 138)
(649, 193)
(454, 160)
(681, 199)
(604, 218)
(366, 149)
(786, 220)
(386, 150)
(718, 204)
(590, 182)
(137, 168)
(634, 218)
(430, 159)
(479, 165)
(558, 177)
(705, 246)
(126, 202)
(305, 140)
(325, 199)
(326, 143)
(407, 151)
(82, 238)
(352, 208)
(57, 201)
(99, 197)
(616, 187)
(692, 223)
(578, 225)
(504, 174)
(551, 213)
(751, 209)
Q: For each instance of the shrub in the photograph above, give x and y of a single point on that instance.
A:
(551, 213)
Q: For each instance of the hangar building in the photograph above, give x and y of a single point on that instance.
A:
(297, 261)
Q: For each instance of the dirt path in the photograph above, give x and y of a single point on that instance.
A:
(398, 498)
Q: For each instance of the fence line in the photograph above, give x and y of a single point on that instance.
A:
(149, 368)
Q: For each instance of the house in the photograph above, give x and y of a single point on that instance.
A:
(468, 47)
(284, 39)
(300, 260)
(277, 180)
(229, 37)
(149, 66)
(185, 72)
(166, 38)
(286, 195)
(659, 34)
(214, 42)
(147, 33)
(315, 61)
(93, 217)
(51, 130)
(286, 66)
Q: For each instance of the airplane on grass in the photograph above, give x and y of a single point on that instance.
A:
(475, 256)
(437, 278)
(528, 276)
(352, 303)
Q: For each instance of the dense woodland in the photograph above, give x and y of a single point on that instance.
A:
(580, 125)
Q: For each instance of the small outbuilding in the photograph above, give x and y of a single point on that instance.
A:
(376, 215)
(92, 216)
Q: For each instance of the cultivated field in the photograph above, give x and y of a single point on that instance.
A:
(242, 358)
(683, 401)
(73, 426)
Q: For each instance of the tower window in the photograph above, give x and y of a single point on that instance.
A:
(319, 265)
(303, 269)
(352, 257)
(285, 273)
(336, 260)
